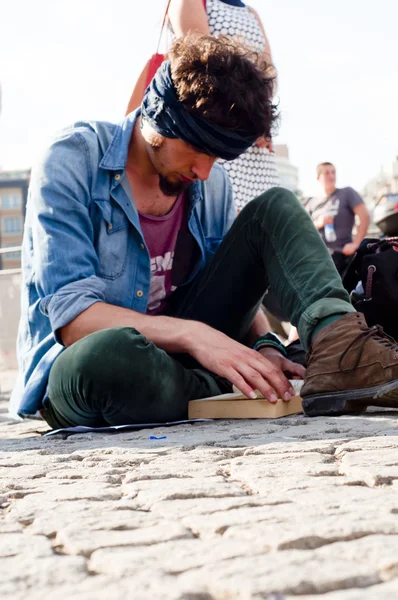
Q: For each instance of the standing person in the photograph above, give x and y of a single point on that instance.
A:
(334, 213)
(254, 172)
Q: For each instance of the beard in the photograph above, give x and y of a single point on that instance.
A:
(172, 188)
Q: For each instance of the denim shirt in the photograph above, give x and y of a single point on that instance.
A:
(83, 243)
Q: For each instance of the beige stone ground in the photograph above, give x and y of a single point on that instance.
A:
(297, 507)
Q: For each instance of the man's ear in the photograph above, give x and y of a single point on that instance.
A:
(155, 139)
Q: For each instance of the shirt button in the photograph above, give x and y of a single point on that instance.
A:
(117, 177)
(142, 246)
(110, 226)
(140, 293)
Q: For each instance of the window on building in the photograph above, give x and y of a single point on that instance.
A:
(9, 201)
(8, 256)
(12, 225)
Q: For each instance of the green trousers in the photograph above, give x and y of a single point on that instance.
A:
(116, 376)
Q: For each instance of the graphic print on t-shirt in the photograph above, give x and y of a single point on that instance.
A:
(161, 267)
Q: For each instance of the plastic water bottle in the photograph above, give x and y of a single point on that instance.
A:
(330, 233)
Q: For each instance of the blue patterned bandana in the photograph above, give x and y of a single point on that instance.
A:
(164, 112)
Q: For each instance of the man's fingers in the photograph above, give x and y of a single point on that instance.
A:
(274, 376)
(239, 382)
(258, 382)
(248, 380)
(249, 370)
(293, 368)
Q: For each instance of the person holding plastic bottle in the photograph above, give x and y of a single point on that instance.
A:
(333, 214)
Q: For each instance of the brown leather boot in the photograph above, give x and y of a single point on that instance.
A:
(350, 367)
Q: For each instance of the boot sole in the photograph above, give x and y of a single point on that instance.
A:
(351, 401)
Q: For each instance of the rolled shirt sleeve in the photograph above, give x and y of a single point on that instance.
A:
(71, 300)
(65, 262)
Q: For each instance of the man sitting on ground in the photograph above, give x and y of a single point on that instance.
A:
(141, 291)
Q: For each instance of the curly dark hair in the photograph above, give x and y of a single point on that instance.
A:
(224, 82)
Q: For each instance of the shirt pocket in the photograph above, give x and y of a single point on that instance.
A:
(112, 244)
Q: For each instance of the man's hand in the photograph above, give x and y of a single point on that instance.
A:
(247, 369)
(263, 142)
(349, 249)
(322, 221)
(291, 369)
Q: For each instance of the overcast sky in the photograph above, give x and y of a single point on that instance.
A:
(67, 60)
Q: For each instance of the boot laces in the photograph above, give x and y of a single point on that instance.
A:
(376, 333)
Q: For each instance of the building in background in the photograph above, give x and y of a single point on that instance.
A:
(13, 196)
(287, 171)
(386, 182)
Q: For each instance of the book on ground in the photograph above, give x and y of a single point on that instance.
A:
(237, 406)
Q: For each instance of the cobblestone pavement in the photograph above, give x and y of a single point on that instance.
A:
(275, 510)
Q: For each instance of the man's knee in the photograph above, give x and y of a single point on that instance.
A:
(100, 356)
(274, 199)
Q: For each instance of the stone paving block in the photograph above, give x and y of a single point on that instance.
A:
(210, 526)
(304, 534)
(383, 591)
(15, 544)
(206, 506)
(274, 474)
(293, 446)
(78, 540)
(162, 468)
(294, 572)
(146, 493)
(29, 571)
(108, 516)
(373, 467)
(173, 557)
(81, 490)
(378, 443)
(380, 551)
(101, 587)
(19, 472)
(27, 509)
(66, 490)
(335, 566)
(9, 527)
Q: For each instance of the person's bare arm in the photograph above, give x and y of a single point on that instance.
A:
(188, 15)
(247, 369)
(362, 228)
(263, 142)
(364, 219)
(267, 55)
(259, 327)
(166, 332)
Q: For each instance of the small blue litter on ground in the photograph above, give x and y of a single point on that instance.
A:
(153, 437)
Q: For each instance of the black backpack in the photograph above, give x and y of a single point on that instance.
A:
(371, 280)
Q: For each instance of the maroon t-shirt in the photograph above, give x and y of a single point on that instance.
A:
(160, 234)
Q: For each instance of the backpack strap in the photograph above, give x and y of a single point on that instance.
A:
(353, 272)
(322, 203)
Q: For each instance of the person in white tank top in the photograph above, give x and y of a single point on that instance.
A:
(254, 172)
